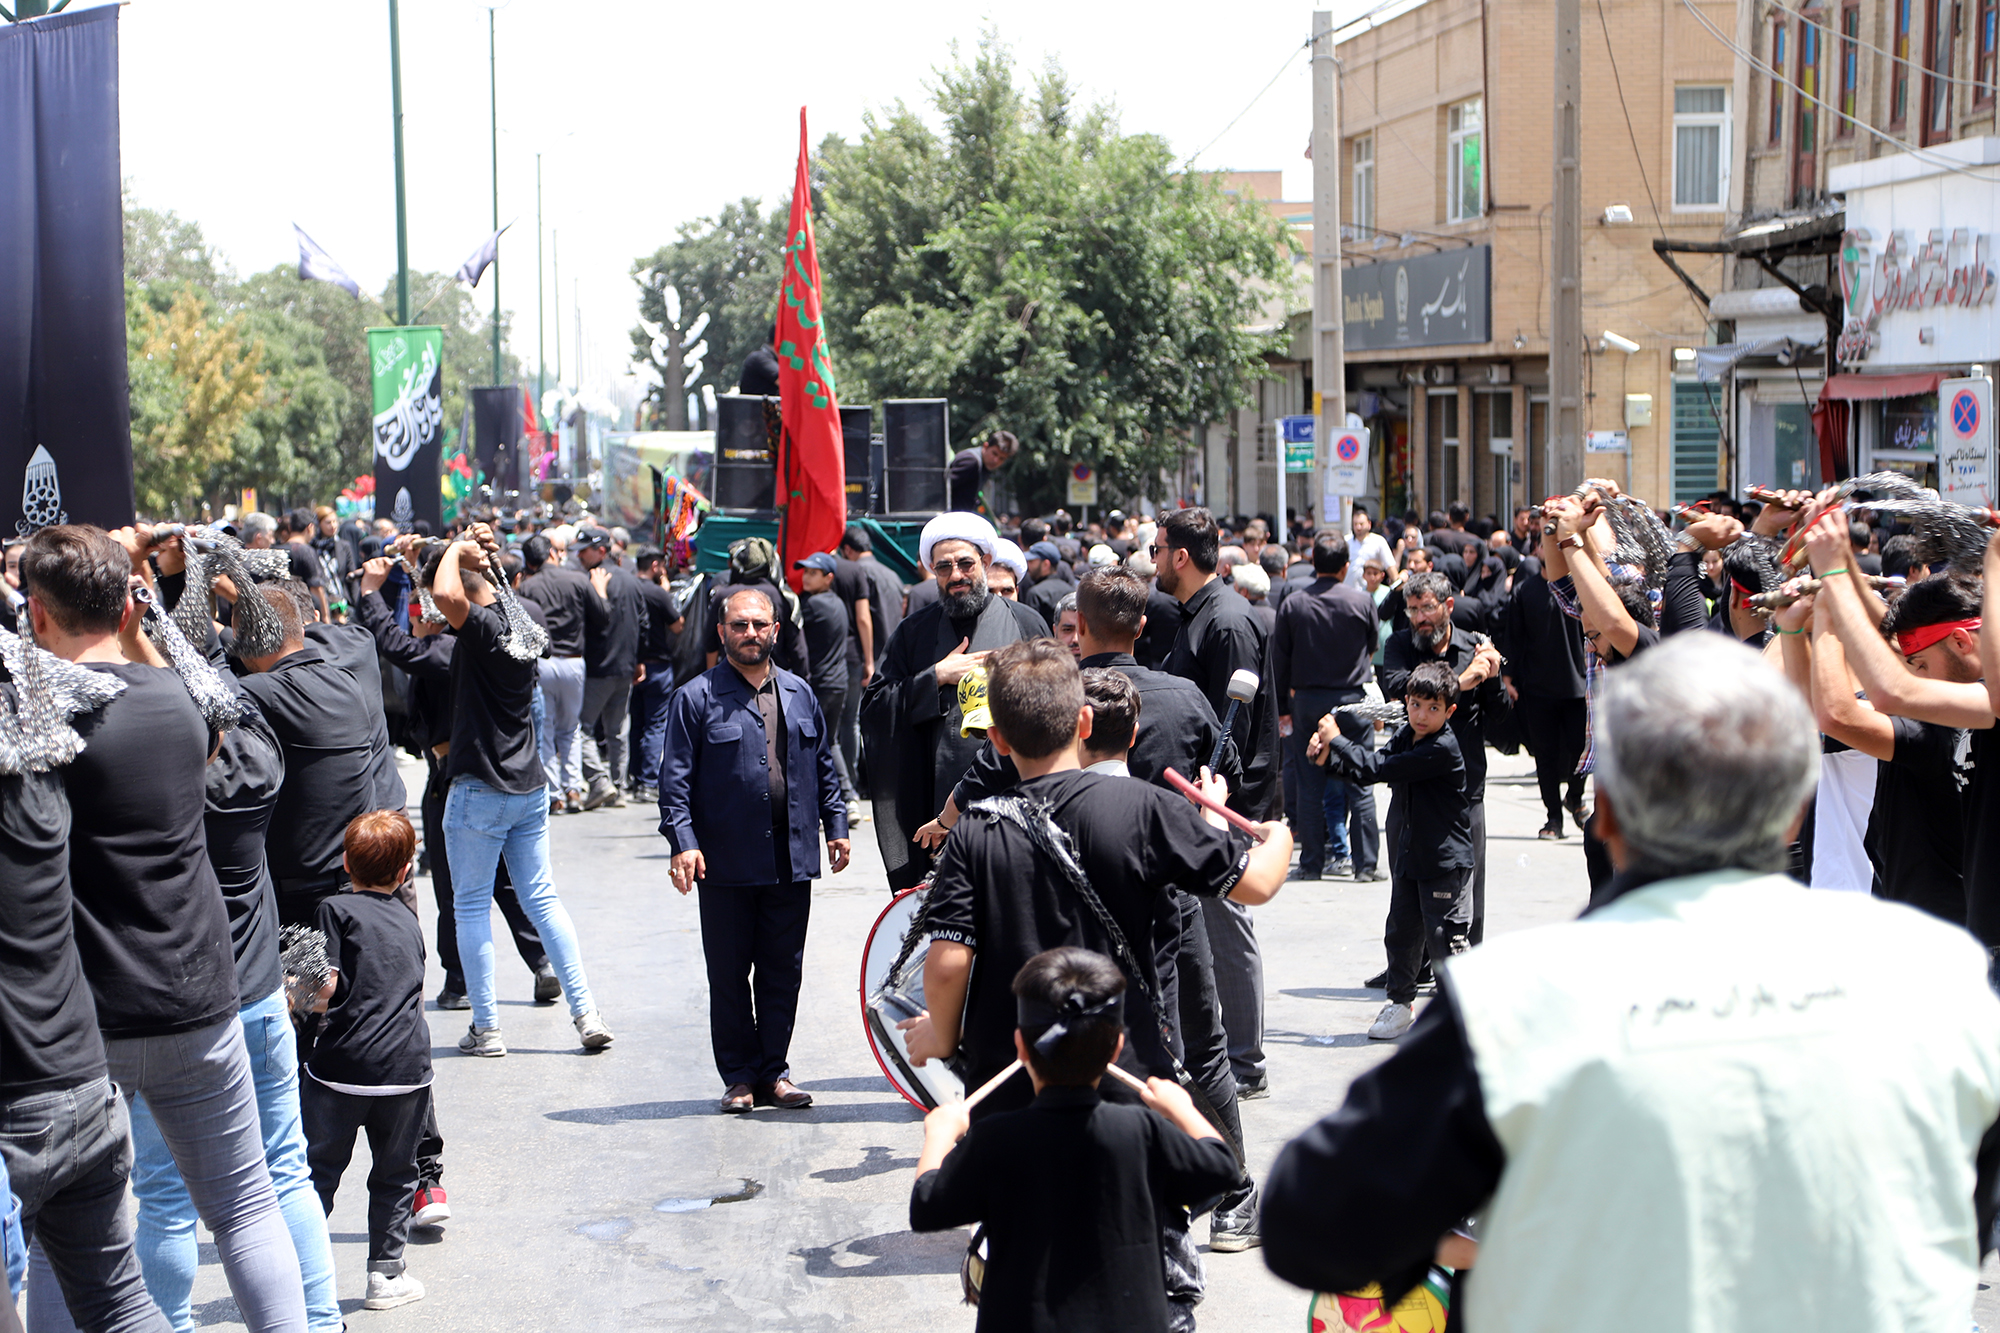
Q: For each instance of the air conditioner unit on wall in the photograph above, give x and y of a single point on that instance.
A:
(1441, 374)
(1499, 373)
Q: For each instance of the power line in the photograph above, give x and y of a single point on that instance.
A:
(1901, 60)
(1630, 133)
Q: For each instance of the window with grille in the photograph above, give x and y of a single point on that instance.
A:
(1774, 122)
(1464, 178)
(1696, 440)
(1701, 147)
(1985, 42)
(1899, 77)
(1850, 69)
(1363, 193)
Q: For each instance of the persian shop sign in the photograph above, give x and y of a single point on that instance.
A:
(1436, 300)
(1953, 271)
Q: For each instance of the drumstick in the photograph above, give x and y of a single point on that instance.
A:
(990, 1084)
(1206, 802)
(1136, 1084)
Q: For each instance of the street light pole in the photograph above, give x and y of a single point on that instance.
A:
(541, 350)
(493, 106)
(396, 113)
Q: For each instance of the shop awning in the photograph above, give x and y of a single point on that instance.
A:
(1860, 388)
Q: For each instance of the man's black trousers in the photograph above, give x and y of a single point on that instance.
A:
(1553, 729)
(754, 940)
(526, 940)
(393, 1124)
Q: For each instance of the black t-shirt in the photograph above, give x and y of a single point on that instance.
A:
(375, 1034)
(326, 723)
(967, 478)
(150, 924)
(492, 727)
(661, 613)
(562, 594)
(851, 584)
(48, 1027)
(244, 781)
(1916, 828)
(995, 893)
(1648, 638)
(1982, 835)
(614, 625)
(305, 566)
(827, 642)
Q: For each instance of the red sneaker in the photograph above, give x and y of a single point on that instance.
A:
(430, 1208)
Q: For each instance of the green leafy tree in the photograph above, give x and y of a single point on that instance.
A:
(197, 385)
(726, 268)
(1046, 274)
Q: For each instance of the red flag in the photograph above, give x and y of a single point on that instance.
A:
(812, 468)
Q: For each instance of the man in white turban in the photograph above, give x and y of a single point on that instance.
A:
(910, 718)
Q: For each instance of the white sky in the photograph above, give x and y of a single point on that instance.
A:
(247, 118)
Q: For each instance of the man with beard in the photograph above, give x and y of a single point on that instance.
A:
(910, 720)
(748, 782)
(1219, 637)
(1432, 636)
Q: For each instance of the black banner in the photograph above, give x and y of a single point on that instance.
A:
(65, 421)
(1437, 300)
(496, 435)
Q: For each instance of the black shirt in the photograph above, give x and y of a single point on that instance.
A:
(1219, 638)
(828, 643)
(994, 892)
(1981, 862)
(1916, 828)
(1543, 644)
(352, 649)
(968, 478)
(1325, 640)
(614, 624)
(375, 1034)
(150, 924)
(48, 1027)
(885, 602)
(658, 644)
(564, 596)
(1073, 1192)
(759, 375)
(1430, 808)
(1163, 626)
(1400, 656)
(492, 728)
(325, 724)
(244, 782)
(851, 584)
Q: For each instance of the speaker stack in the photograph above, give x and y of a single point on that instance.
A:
(864, 473)
(916, 439)
(746, 452)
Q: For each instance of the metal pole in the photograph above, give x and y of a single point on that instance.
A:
(1565, 464)
(493, 108)
(541, 349)
(396, 113)
(1329, 339)
(555, 280)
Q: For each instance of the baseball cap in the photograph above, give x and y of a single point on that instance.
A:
(972, 705)
(1044, 551)
(819, 560)
(587, 538)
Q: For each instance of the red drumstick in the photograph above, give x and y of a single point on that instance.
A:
(1195, 794)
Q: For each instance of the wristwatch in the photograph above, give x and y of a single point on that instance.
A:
(1570, 543)
(1687, 541)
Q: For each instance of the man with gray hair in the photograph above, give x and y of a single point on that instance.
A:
(1695, 1040)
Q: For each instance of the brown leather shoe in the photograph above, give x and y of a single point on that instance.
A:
(737, 1101)
(785, 1095)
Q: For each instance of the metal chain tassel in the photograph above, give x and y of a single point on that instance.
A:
(525, 640)
(219, 706)
(35, 733)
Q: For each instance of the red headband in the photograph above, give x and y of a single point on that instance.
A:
(1913, 641)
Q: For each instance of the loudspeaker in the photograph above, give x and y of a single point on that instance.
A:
(864, 483)
(496, 433)
(916, 437)
(746, 452)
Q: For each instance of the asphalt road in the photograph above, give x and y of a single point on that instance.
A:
(579, 1183)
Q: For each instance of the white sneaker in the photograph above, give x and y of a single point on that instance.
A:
(1392, 1022)
(482, 1041)
(387, 1291)
(591, 1028)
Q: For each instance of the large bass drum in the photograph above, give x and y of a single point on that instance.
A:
(892, 989)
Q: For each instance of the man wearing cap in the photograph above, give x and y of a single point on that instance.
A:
(1051, 580)
(827, 639)
(614, 623)
(971, 467)
(910, 714)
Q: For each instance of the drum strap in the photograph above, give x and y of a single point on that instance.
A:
(1033, 818)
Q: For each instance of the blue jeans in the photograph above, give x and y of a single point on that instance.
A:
(166, 1214)
(651, 699)
(482, 823)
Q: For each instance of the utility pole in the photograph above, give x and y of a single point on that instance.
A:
(555, 276)
(493, 108)
(1329, 338)
(396, 114)
(541, 349)
(1564, 469)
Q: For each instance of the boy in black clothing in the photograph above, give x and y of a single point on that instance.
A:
(1430, 891)
(1073, 1190)
(370, 1067)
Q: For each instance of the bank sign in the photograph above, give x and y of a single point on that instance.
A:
(1436, 300)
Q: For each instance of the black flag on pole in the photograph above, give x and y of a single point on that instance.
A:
(65, 420)
(316, 263)
(474, 268)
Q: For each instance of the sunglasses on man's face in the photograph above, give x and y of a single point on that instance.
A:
(965, 564)
(750, 626)
(1153, 551)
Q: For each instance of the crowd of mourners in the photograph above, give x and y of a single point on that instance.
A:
(1096, 747)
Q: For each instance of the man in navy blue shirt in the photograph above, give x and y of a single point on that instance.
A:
(747, 784)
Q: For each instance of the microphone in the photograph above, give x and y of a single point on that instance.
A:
(162, 531)
(1242, 689)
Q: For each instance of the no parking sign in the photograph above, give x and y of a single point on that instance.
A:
(1965, 452)
(1347, 463)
